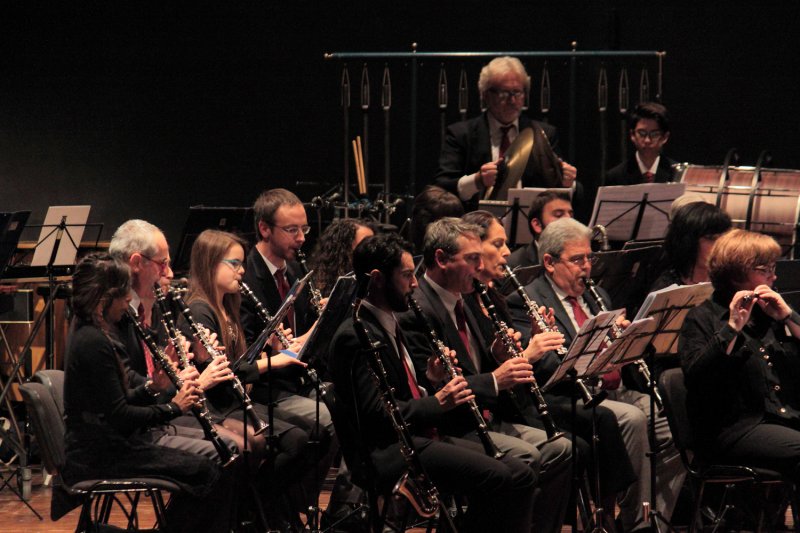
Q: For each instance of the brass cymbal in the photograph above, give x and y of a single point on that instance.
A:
(517, 155)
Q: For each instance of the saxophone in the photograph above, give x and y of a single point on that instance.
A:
(510, 344)
(200, 412)
(441, 352)
(259, 426)
(414, 484)
(532, 309)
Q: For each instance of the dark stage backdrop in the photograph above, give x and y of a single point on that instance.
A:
(145, 109)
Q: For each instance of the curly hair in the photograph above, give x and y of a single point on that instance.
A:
(332, 255)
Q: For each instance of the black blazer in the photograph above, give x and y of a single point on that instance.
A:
(467, 146)
(528, 255)
(356, 388)
(627, 172)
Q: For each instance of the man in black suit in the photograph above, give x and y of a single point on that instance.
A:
(500, 492)
(472, 149)
(648, 127)
(545, 208)
(567, 258)
(453, 256)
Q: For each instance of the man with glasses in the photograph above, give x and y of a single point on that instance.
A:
(648, 127)
(473, 148)
(143, 247)
(567, 258)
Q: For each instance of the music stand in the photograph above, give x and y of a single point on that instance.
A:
(668, 308)
(238, 220)
(635, 212)
(788, 272)
(524, 274)
(627, 274)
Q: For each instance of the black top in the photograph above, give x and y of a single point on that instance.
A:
(628, 173)
(96, 388)
(729, 394)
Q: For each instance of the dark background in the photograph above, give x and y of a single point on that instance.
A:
(143, 109)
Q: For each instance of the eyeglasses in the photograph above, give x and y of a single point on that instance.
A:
(163, 264)
(653, 135)
(294, 231)
(579, 260)
(765, 270)
(235, 264)
(507, 95)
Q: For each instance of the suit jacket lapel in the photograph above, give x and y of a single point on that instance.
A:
(550, 299)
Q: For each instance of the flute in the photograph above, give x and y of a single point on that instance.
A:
(510, 344)
(440, 350)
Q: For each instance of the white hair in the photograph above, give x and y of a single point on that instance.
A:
(499, 66)
(558, 233)
(134, 236)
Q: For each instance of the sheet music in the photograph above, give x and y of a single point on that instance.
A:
(617, 208)
(630, 346)
(76, 217)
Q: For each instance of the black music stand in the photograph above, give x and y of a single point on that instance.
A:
(627, 274)
(238, 220)
(788, 273)
(585, 349)
(635, 212)
(333, 314)
(667, 308)
(524, 274)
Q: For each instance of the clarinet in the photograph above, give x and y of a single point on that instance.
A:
(200, 412)
(440, 350)
(532, 310)
(511, 346)
(266, 318)
(259, 426)
(414, 484)
(316, 295)
(616, 332)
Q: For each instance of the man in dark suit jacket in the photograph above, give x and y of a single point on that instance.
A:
(500, 491)
(472, 148)
(567, 258)
(545, 208)
(452, 259)
(648, 127)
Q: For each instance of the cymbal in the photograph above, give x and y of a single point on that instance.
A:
(517, 155)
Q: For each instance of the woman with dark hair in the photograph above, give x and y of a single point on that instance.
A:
(740, 354)
(691, 234)
(333, 253)
(105, 417)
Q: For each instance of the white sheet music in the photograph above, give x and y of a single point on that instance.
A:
(617, 209)
(75, 217)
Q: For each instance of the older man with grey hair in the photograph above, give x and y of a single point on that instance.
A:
(452, 255)
(143, 247)
(567, 258)
(473, 148)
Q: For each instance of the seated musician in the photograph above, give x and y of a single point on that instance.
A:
(545, 208)
(567, 259)
(105, 417)
(739, 353)
(143, 247)
(648, 128)
(468, 163)
(500, 492)
(429, 206)
(333, 253)
(217, 264)
(453, 258)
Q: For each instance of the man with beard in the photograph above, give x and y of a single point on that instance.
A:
(545, 208)
(453, 258)
(500, 492)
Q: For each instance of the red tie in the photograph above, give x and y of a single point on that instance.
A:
(649, 177)
(283, 290)
(148, 357)
(412, 383)
(461, 323)
(505, 142)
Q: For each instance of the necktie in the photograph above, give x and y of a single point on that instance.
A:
(461, 323)
(577, 311)
(649, 177)
(412, 383)
(283, 290)
(505, 142)
(148, 357)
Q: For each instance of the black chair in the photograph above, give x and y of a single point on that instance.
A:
(96, 496)
(703, 472)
